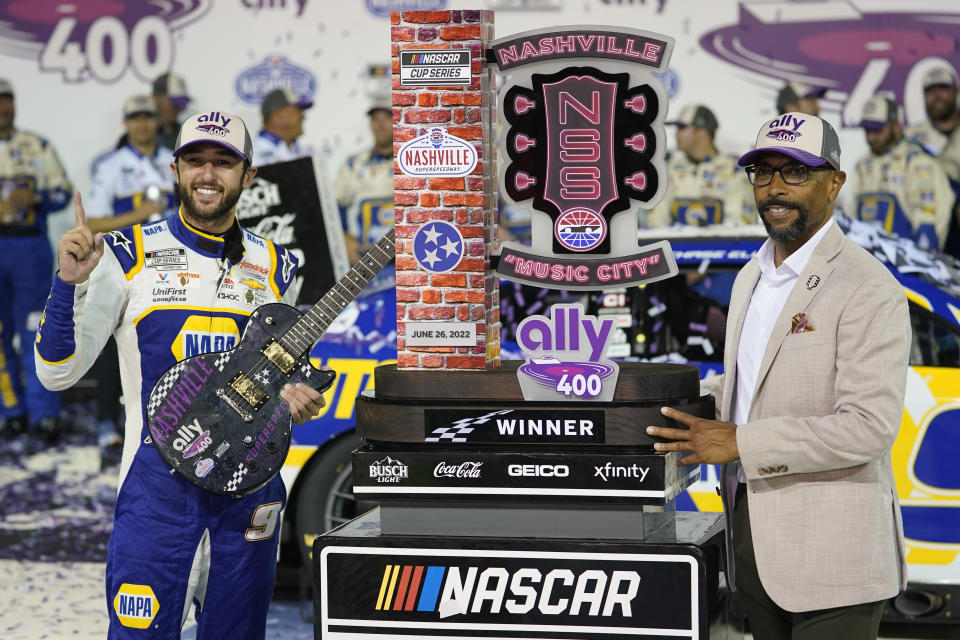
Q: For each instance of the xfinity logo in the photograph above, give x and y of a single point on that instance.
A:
(462, 470)
(539, 470)
(610, 470)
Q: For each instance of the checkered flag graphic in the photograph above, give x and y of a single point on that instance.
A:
(167, 382)
(222, 360)
(460, 430)
(238, 475)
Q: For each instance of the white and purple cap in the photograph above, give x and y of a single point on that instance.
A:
(218, 127)
(878, 112)
(805, 138)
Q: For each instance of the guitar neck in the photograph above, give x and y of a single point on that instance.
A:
(311, 327)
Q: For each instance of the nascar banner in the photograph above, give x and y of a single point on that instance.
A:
(372, 585)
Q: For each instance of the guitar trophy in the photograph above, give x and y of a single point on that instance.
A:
(236, 432)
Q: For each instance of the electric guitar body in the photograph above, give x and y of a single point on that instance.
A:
(218, 418)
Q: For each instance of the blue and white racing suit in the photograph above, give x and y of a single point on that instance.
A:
(27, 161)
(166, 292)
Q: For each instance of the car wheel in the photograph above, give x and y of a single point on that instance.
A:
(325, 496)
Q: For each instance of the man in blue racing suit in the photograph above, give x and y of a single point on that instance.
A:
(167, 291)
(32, 185)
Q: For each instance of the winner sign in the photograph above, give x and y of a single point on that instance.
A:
(583, 151)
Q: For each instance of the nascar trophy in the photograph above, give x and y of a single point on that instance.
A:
(521, 498)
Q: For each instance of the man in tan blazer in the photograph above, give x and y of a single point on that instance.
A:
(817, 346)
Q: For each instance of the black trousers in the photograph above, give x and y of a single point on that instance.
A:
(768, 621)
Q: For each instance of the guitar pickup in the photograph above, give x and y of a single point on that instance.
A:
(248, 390)
(280, 357)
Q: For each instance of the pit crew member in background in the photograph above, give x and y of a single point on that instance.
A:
(279, 140)
(33, 184)
(364, 186)
(134, 183)
(170, 95)
(704, 187)
(183, 543)
(800, 97)
(818, 341)
(940, 136)
(131, 185)
(943, 116)
(900, 186)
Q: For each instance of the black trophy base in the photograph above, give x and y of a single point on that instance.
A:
(368, 583)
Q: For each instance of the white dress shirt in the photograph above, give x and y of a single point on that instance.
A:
(766, 303)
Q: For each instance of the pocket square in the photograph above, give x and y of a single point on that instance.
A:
(801, 324)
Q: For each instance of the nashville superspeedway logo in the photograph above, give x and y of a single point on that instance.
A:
(135, 605)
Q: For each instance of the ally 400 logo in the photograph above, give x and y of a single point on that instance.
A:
(96, 39)
(566, 356)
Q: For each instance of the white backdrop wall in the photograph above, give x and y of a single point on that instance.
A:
(73, 63)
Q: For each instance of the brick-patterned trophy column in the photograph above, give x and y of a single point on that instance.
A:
(448, 314)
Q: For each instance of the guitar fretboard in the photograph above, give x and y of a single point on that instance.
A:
(311, 327)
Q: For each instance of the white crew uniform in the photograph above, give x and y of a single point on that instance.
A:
(712, 191)
(121, 179)
(906, 192)
(364, 191)
(270, 149)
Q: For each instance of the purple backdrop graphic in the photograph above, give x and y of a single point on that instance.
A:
(852, 52)
(96, 39)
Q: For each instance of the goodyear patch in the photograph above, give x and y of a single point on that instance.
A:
(135, 605)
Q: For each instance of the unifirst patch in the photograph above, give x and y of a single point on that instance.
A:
(135, 605)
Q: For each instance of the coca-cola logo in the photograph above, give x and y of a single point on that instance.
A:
(462, 470)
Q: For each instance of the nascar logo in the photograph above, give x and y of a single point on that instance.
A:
(135, 605)
(447, 591)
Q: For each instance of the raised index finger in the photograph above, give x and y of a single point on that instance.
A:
(78, 209)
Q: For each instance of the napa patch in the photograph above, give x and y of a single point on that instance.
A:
(136, 605)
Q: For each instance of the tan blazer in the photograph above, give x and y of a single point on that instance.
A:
(816, 448)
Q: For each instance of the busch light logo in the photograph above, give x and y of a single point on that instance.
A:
(99, 42)
(566, 356)
(583, 152)
(275, 72)
(852, 51)
(437, 153)
(383, 8)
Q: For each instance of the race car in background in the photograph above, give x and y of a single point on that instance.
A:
(683, 320)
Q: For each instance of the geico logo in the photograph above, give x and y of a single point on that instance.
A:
(495, 589)
(538, 470)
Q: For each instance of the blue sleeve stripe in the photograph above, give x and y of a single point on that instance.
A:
(55, 341)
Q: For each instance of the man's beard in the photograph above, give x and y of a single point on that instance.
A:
(796, 228)
(940, 110)
(229, 199)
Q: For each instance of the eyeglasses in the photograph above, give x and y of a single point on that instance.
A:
(760, 175)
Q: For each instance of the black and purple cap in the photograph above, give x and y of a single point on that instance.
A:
(174, 87)
(805, 138)
(878, 112)
(218, 127)
(794, 91)
(279, 98)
